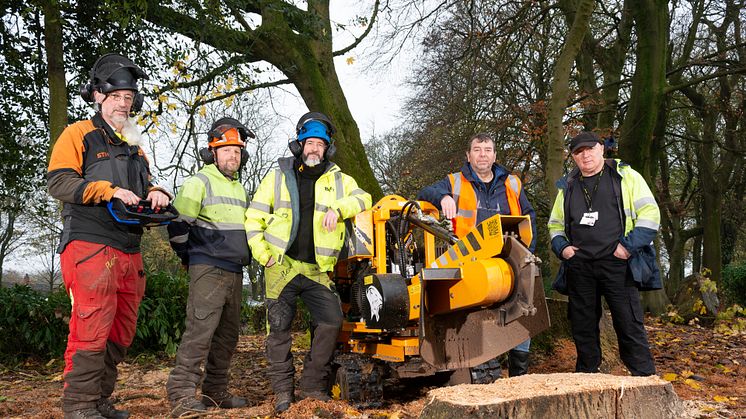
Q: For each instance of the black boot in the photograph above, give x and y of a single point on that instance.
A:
(517, 363)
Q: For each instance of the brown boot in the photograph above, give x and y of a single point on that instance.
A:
(186, 407)
(223, 400)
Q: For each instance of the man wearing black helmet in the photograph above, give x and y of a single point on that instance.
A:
(93, 162)
(295, 228)
(210, 239)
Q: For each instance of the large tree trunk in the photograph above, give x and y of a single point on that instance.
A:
(298, 43)
(555, 147)
(648, 83)
(55, 70)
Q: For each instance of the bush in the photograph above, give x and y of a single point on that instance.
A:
(160, 321)
(734, 284)
(32, 323)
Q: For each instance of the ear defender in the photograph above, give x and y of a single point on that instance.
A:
(208, 157)
(244, 157)
(296, 148)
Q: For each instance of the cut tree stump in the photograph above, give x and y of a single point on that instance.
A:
(566, 395)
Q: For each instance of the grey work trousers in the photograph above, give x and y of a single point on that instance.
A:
(326, 314)
(212, 326)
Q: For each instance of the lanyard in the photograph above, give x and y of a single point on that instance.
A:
(589, 196)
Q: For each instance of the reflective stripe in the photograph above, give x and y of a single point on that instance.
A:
(338, 184)
(644, 201)
(206, 181)
(282, 204)
(216, 200)
(179, 239)
(251, 233)
(647, 224)
(465, 213)
(358, 192)
(456, 186)
(320, 207)
(452, 253)
(441, 261)
(211, 225)
(514, 184)
(278, 187)
(555, 221)
(275, 241)
(361, 202)
(324, 251)
(629, 213)
(185, 218)
(556, 234)
(259, 206)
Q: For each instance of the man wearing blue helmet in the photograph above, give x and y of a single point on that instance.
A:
(295, 228)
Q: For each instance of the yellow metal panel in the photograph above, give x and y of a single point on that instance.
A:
(381, 351)
(482, 283)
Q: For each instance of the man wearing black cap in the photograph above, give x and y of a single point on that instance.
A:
(93, 162)
(601, 226)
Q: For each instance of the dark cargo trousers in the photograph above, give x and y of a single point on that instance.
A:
(587, 281)
(212, 326)
(326, 314)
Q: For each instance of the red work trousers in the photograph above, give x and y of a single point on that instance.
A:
(105, 286)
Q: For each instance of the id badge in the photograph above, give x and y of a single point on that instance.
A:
(589, 218)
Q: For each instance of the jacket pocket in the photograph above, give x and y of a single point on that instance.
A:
(90, 255)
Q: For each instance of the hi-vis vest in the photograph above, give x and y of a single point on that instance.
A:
(466, 201)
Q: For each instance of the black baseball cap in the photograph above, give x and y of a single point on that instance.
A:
(584, 139)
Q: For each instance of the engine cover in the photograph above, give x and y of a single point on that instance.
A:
(385, 301)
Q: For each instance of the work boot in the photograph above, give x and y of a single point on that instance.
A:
(223, 400)
(315, 395)
(89, 413)
(107, 409)
(283, 401)
(186, 407)
(517, 363)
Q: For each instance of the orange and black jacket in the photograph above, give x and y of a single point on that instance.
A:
(89, 163)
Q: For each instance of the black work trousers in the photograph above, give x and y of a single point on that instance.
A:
(326, 320)
(587, 282)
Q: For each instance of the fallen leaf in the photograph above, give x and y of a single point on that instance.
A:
(693, 384)
(670, 376)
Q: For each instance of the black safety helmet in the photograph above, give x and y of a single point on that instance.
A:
(114, 72)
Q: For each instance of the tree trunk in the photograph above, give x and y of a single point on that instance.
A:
(55, 70)
(648, 82)
(555, 144)
(564, 395)
(711, 191)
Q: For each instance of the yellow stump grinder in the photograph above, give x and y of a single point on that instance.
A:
(418, 301)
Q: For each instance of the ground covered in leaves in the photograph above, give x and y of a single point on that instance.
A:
(706, 366)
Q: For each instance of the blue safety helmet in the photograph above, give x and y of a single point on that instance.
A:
(314, 129)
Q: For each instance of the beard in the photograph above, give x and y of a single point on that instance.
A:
(311, 160)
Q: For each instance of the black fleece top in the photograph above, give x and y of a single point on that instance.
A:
(302, 248)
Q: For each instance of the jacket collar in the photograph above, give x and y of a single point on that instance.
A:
(287, 165)
(498, 171)
(100, 123)
(213, 170)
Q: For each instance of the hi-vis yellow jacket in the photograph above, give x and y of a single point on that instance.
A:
(272, 217)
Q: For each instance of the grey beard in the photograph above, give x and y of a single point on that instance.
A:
(311, 161)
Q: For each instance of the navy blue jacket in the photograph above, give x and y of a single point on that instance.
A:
(491, 201)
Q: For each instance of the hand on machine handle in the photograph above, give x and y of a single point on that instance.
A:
(448, 206)
(157, 199)
(127, 196)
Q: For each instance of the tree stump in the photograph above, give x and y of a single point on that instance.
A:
(563, 395)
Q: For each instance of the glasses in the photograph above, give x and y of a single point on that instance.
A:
(128, 99)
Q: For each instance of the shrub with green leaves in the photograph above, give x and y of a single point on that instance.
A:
(32, 323)
(160, 321)
(734, 283)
